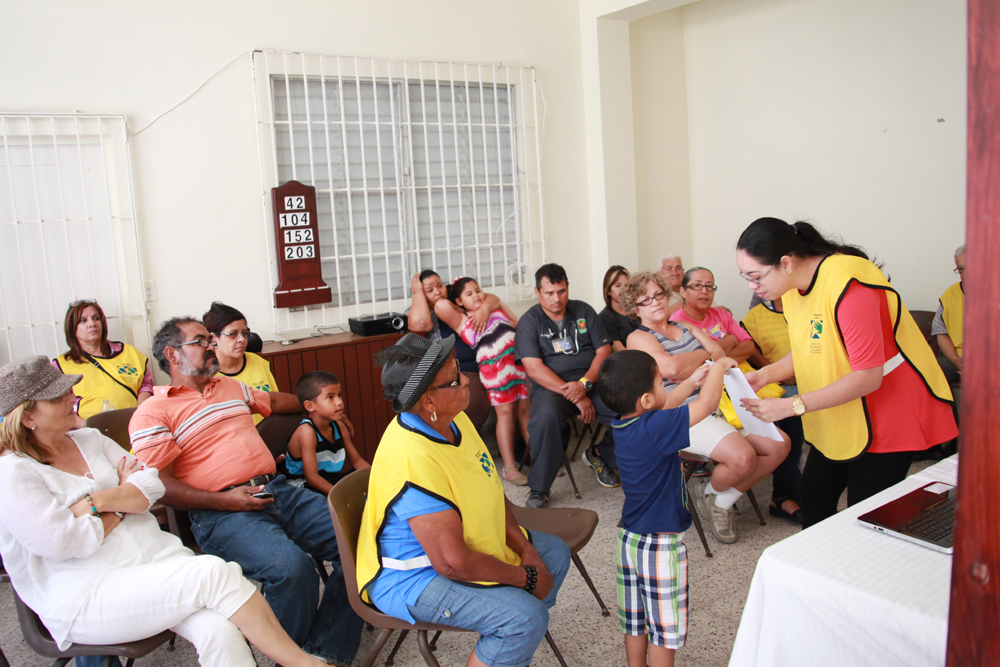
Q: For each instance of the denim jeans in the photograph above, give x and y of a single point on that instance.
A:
(94, 661)
(276, 546)
(511, 621)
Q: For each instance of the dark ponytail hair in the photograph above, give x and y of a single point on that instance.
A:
(769, 239)
(455, 289)
(427, 273)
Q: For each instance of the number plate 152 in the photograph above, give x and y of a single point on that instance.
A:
(298, 236)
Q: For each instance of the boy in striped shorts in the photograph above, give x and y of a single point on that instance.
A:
(652, 560)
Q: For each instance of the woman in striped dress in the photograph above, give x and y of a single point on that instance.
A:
(505, 381)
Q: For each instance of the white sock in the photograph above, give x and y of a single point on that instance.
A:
(724, 499)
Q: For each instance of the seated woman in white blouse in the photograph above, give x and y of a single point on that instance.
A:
(83, 551)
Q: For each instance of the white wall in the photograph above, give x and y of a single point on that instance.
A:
(196, 171)
(850, 114)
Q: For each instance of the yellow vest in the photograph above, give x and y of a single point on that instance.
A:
(461, 475)
(952, 304)
(256, 373)
(116, 379)
(844, 432)
(769, 330)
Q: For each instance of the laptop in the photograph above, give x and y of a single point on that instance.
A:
(925, 516)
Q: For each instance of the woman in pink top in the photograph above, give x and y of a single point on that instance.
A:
(698, 289)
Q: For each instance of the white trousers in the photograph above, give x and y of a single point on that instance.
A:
(192, 595)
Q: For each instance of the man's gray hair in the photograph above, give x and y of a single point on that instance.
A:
(960, 251)
(169, 335)
(666, 257)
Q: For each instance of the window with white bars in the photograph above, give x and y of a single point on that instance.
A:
(416, 166)
(67, 230)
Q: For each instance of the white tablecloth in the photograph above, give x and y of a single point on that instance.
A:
(840, 594)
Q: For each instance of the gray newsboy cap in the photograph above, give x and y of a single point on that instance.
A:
(32, 379)
(416, 360)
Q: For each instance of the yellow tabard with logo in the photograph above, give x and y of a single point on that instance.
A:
(461, 475)
(952, 305)
(117, 380)
(256, 373)
(844, 432)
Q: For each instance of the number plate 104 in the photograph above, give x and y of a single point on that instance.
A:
(294, 219)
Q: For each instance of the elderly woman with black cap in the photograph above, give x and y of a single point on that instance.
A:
(83, 551)
(438, 541)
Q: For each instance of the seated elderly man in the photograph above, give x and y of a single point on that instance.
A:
(947, 324)
(561, 344)
(199, 432)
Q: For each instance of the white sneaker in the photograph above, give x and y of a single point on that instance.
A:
(721, 522)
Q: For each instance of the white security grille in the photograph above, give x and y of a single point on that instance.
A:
(67, 230)
(416, 166)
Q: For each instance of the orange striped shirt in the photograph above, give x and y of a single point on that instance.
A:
(209, 437)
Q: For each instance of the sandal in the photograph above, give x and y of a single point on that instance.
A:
(515, 476)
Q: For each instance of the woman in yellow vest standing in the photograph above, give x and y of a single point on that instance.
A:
(115, 375)
(947, 325)
(436, 505)
(871, 391)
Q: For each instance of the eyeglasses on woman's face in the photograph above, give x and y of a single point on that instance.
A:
(756, 280)
(454, 383)
(233, 335)
(698, 287)
(648, 300)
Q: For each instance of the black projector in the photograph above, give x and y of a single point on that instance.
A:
(376, 325)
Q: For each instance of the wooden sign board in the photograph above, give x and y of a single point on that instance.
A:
(296, 241)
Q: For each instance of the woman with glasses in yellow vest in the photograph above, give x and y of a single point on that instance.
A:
(947, 325)
(871, 391)
(115, 375)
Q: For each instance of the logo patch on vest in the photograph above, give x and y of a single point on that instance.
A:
(487, 464)
(815, 333)
(581, 325)
(128, 370)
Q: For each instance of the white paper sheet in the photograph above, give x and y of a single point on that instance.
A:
(738, 388)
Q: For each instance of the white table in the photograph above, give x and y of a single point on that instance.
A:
(840, 594)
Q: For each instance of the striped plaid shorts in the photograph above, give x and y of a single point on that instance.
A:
(653, 587)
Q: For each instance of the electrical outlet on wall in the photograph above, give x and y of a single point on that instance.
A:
(150, 293)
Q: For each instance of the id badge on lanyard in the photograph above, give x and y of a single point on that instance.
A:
(562, 344)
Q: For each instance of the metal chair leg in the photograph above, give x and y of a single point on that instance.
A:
(579, 441)
(756, 508)
(555, 649)
(380, 641)
(593, 589)
(569, 471)
(689, 467)
(434, 640)
(597, 432)
(425, 649)
(391, 660)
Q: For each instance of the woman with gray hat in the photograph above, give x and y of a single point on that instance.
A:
(438, 541)
(83, 551)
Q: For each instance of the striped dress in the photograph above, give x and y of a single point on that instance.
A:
(504, 380)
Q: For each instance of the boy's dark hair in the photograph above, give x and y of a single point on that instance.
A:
(311, 384)
(554, 273)
(624, 377)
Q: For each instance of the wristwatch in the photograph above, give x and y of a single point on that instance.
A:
(587, 384)
(798, 407)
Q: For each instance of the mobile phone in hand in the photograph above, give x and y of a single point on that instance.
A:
(263, 495)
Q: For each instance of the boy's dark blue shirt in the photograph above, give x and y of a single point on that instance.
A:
(647, 449)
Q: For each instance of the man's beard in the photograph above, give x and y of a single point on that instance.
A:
(208, 368)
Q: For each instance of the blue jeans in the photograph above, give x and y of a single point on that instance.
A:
(276, 546)
(94, 661)
(511, 621)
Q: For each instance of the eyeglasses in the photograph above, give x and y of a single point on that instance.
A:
(454, 383)
(200, 342)
(659, 296)
(234, 334)
(74, 304)
(756, 281)
(959, 270)
(698, 287)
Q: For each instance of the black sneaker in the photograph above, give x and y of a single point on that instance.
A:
(606, 477)
(701, 470)
(537, 499)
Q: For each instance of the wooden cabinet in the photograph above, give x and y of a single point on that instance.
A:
(350, 358)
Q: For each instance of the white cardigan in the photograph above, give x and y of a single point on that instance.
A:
(55, 559)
